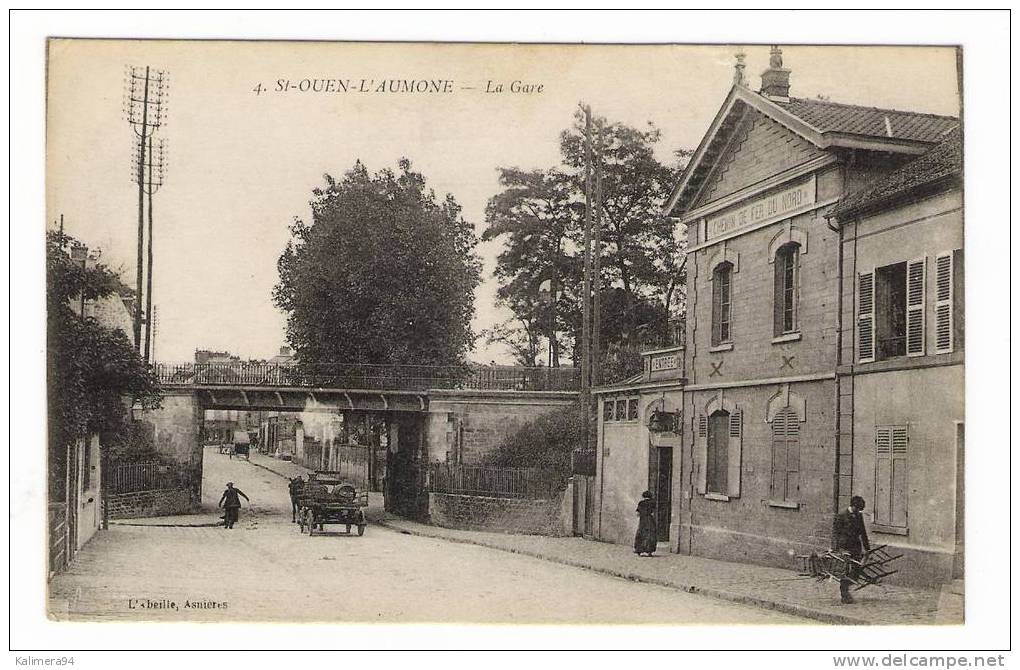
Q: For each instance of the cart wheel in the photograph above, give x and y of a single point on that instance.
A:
(361, 530)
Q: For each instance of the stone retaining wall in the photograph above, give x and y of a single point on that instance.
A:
(160, 502)
(508, 515)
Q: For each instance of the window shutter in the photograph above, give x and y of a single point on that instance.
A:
(785, 456)
(733, 462)
(944, 303)
(792, 455)
(898, 485)
(866, 317)
(883, 473)
(915, 307)
(777, 490)
(701, 457)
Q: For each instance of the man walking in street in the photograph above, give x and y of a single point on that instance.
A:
(850, 536)
(231, 504)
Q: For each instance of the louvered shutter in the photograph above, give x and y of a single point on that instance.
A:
(785, 456)
(891, 444)
(915, 307)
(883, 474)
(866, 317)
(701, 445)
(898, 485)
(733, 457)
(944, 303)
(792, 455)
(778, 489)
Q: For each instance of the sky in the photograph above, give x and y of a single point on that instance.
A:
(242, 164)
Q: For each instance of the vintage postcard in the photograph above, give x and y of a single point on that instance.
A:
(352, 332)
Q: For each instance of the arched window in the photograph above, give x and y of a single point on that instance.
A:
(722, 278)
(785, 455)
(787, 269)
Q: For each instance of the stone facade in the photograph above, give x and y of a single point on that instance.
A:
(759, 149)
(626, 458)
(779, 419)
(508, 515)
(465, 426)
(176, 429)
(162, 502)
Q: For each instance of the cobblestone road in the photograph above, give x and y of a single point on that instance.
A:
(185, 568)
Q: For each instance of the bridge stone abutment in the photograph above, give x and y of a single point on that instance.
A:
(464, 426)
(176, 427)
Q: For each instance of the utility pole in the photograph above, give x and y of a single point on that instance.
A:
(586, 289)
(596, 345)
(145, 112)
(155, 329)
(152, 184)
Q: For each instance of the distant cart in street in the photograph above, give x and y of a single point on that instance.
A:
(318, 505)
(241, 445)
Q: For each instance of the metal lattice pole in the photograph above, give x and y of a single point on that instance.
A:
(145, 110)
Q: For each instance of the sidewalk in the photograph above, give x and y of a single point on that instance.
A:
(769, 588)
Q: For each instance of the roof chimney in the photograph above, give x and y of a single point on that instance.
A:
(775, 81)
(739, 78)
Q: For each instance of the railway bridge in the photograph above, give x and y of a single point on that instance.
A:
(403, 417)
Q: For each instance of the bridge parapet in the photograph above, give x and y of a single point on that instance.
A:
(365, 376)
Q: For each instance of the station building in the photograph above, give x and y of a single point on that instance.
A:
(747, 433)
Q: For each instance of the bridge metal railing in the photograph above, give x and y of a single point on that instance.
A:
(365, 376)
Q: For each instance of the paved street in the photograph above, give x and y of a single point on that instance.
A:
(265, 570)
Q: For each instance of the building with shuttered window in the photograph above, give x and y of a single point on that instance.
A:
(902, 375)
(765, 446)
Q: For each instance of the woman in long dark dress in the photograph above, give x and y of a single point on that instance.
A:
(647, 533)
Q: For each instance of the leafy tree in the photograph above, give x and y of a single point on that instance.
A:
(539, 214)
(384, 273)
(93, 372)
(638, 243)
(522, 341)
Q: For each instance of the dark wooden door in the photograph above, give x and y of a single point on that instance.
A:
(660, 483)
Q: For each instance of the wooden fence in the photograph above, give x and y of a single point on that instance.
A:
(496, 482)
(57, 516)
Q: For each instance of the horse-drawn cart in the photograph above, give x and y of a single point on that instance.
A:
(318, 505)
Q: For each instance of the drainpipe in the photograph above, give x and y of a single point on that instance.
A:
(838, 229)
(691, 329)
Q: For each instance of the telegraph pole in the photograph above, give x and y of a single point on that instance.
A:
(586, 289)
(144, 111)
(153, 182)
(596, 346)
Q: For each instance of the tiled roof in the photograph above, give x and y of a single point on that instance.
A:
(944, 160)
(858, 120)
